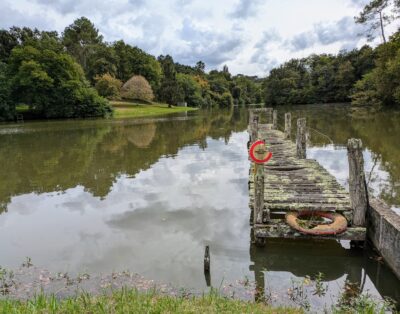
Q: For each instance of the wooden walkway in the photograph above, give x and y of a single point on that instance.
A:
(294, 184)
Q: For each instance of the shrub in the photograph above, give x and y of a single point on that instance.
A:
(53, 84)
(226, 100)
(108, 86)
(137, 88)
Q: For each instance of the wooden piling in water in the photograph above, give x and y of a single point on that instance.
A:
(207, 259)
(275, 119)
(254, 131)
(357, 184)
(301, 139)
(251, 117)
(288, 124)
(259, 193)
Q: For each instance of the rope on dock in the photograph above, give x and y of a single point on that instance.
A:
(322, 134)
(282, 127)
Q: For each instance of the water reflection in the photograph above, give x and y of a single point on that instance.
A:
(281, 261)
(379, 132)
(148, 195)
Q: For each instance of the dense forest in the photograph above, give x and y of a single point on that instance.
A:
(75, 73)
(363, 76)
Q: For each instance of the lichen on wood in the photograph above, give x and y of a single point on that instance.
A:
(357, 185)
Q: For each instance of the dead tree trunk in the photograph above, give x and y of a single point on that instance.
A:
(357, 185)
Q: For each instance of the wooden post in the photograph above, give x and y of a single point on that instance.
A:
(268, 115)
(259, 216)
(251, 116)
(258, 193)
(207, 259)
(288, 124)
(275, 119)
(301, 140)
(357, 185)
(254, 131)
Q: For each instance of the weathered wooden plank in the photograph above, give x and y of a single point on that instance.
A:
(295, 183)
(305, 207)
(282, 230)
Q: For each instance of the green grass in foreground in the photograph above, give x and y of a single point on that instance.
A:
(131, 301)
(135, 110)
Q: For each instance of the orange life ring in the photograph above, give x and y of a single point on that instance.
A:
(338, 224)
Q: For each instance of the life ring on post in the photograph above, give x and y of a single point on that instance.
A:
(254, 158)
(337, 226)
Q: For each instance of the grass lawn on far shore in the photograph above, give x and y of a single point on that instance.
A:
(124, 109)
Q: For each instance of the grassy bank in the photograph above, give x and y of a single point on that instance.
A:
(135, 110)
(130, 301)
(122, 109)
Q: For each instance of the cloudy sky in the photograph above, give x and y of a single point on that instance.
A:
(250, 36)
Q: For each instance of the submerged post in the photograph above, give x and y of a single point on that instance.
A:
(357, 185)
(288, 124)
(301, 140)
(275, 119)
(207, 259)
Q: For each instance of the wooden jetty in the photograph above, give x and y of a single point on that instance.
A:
(289, 182)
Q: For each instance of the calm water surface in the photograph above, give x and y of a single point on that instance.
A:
(148, 195)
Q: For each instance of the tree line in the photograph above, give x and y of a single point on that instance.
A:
(75, 74)
(363, 76)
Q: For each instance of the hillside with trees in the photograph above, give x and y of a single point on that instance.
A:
(75, 74)
(366, 76)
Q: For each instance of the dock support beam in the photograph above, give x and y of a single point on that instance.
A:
(275, 119)
(251, 115)
(288, 125)
(301, 139)
(357, 184)
(254, 130)
(207, 259)
(258, 193)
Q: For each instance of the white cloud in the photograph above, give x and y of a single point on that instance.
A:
(249, 36)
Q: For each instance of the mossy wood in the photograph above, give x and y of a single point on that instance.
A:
(293, 183)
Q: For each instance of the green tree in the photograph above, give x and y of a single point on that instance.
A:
(191, 89)
(7, 43)
(226, 100)
(374, 14)
(80, 39)
(381, 86)
(344, 81)
(200, 67)
(52, 84)
(108, 86)
(132, 60)
(169, 91)
(7, 109)
(103, 60)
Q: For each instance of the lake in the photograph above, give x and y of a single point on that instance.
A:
(148, 194)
